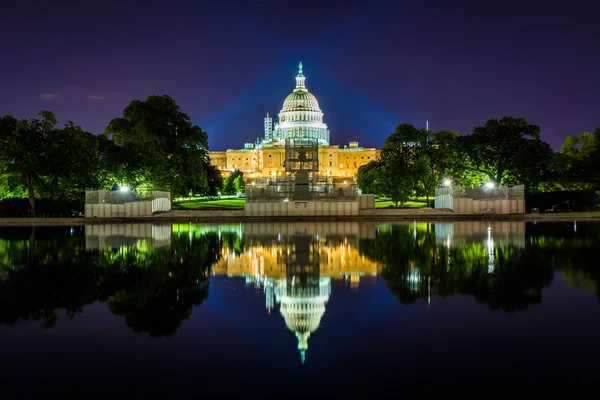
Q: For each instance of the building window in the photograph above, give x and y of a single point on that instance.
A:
(269, 156)
(330, 163)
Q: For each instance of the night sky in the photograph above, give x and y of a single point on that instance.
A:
(371, 64)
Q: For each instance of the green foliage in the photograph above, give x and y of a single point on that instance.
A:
(398, 172)
(578, 163)
(508, 151)
(234, 183)
(228, 186)
(41, 159)
(157, 146)
(415, 162)
(240, 186)
(369, 177)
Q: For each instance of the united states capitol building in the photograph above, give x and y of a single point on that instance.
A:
(300, 117)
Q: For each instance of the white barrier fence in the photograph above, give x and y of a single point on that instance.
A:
(160, 201)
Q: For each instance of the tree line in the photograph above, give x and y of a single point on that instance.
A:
(153, 145)
(508, 151)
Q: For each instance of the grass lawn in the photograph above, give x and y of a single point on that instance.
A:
(238, 204)
(385, 203)
(223, 204)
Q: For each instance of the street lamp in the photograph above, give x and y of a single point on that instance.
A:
(447, 182)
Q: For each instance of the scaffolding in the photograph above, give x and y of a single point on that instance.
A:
(301, 180)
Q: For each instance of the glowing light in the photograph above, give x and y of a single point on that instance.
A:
(447, 182)
(489, 185)
(124, 189)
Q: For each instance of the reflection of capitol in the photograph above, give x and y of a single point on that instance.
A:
(268, 244)
(294, 263)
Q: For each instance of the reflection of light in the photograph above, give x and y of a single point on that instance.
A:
(575, 226)
(414, 278)
(490, 250)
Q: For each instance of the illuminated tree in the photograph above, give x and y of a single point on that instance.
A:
(160, 148)
(369, 177)
(509, 151)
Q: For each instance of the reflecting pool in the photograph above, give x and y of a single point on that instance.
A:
(295, 309)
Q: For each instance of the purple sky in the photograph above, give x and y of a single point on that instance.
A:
(371, 64)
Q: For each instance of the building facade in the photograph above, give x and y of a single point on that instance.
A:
(300, 118)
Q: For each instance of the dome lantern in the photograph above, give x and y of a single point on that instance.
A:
(300, 80)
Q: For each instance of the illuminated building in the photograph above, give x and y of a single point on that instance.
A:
(300, 118)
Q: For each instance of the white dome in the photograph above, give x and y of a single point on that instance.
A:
(301, 116)
(301, 101)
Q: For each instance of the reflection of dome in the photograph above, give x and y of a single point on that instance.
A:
(302, 307)
(300, 116)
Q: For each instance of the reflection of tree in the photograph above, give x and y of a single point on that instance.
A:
(45, 270)
(160, 298)
(416, 265)
(515, 283)
(571, 248)
(406, 257)
(44, 276)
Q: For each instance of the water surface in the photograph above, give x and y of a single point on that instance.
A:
(299, 309)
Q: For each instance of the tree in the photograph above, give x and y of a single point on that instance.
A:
(228, 186)
(368, 177)
(397, 155)
(160, 147)
(240, 186)
(508, 151)
(74, 162)
(435, 158)
(234, 183)
(577, 167)
(25, 149)
(214, 178)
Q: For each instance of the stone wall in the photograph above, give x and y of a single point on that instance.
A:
(366, 202)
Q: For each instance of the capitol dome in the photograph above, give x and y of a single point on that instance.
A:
(301, 117)
(301, 101)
